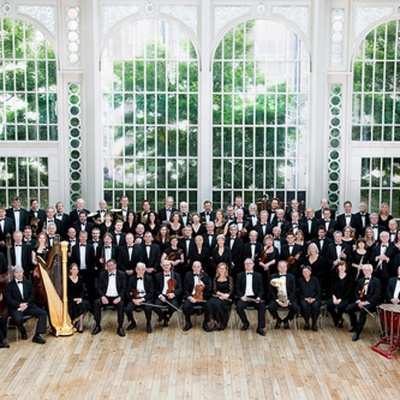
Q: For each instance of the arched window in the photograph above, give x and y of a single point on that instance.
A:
(150, 101)
(28, 108)
(376, 114)
(260, 113)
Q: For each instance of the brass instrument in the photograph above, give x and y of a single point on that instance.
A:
(117, 214)
(58, 309)
(96, 221)
(280, 285)
(34, 223)
(143, 217)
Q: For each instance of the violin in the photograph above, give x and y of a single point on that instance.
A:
(291, 260)
(263, 256)
(172, 283)
(174, 255)
(198, 290)
(134, 293)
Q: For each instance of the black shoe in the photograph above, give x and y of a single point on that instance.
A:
(4, 344)
(314, 328)
(306, 326)
(187, 327)
(24, 335)
(96, 330)
(166, 321)
(245, 326)
(121, 332)
(340, 323)
(131, 326)
(286, 324)
(149, 328)
(206, 327)
(38, 339)
(162, 317)
(221, 328)
(278, 324)
(260, 331)
(352, 329)
(355, 337)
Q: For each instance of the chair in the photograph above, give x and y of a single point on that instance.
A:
(11, 324)
(284, 310)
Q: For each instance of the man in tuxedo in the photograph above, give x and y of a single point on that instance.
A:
(27, 237)
(36, 211)
(294, 207)
(140, 290)
(21, 254)
(253, 249)
(74, 214)
(374, 225)
(347, 218)
(239, 206)
(309, 225)
(293, 225)
(51, 234)
(151, 254)
(237, 247)
(279, 241)
(368, 296)
(97, 244)
(263, 227)
(319, 214)
(83, 224)
(119, 237)
(185, 214)
(18, 214)
(249, 293)
(230, 214)
(6, 228)
(109, 250)
(241, 224)
(292, 253)
(380, 259)
(279, 219)
(328, 222)
(274, 207)
(252, 217)
(125, 207)
(282, 292)
(322, 241)
(49, 218)
(144, 214)
(361, 219)
(393, 289)
(19, 298)
(111, 290)
(393, 226)
(164, 214)
(208, 215)
(100, 213)
(196, 281)
(186, 243)
(210, 237)
(129, 255)
(338, 251)
(167, 294)
(63, 218)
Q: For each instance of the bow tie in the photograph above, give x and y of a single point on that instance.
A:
(51, 221)
(249, 273)
(117, 234)
(130, 247)
(107, 247)
(281, 275)
(102, 211)
(253, 244)
(59, 215)
(17, 210)
(95, 241)
(140, 279)
(111, 274)
(18, 245)
(1, 219)
(21, 282)
(183, 214)
(195, 274)
(166, 275)
(384, 245)
(83, 245)
(348, 215)
(148, 245)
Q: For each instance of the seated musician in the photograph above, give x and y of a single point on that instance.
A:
(250, 293)
(140, 290)
(310, 298)
(282, 294)
(174, 254)
(368, 295)
(168, 288)
(393, 289)
(3, 332)
(196, 292)
(111, 290)
(19, 298)
(220, 303)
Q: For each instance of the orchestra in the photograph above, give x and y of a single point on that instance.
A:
(310, 252)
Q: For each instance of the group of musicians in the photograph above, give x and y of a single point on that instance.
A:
(177, 260)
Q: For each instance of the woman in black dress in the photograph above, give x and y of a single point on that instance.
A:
(310, 298)
(152, 224)
(221, 254)
(175, 227)
(318, 267)
(268, 261)
(199, 252)
(163, 238)
(198, 228)
(220, 303)
(359, 258)
(41, 249)
(130, 223)
(77, 306)
(342, 287)
(107, 225)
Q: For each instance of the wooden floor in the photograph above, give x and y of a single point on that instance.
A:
(170, 364)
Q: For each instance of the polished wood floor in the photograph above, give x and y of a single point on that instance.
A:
(170, 364)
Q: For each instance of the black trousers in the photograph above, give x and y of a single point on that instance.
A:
(36, 312)
(132, 307)
(188, 306)
(273, 308)
(3, 327)
(98, 305)
(337, 311)
(352, 309)
(260, 307)
(170, 311)
(310, 310)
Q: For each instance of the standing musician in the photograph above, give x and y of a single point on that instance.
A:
(338, 251)
(168, 288)
(111, 290)
(292, 254)
(368, 296)
(63, 218)
(151, 254)
(268, 261)
(109, 250)
(282, 292)
(140, 290)
(74, 214)
(19, 297)
(253, 249)
(129, 255)
(250, 293)
(196, 292)
(18, 214)
(21, 254)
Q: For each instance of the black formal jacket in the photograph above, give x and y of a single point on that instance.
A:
(13, 295)
(122, 241)
(373, 295)
(391, 288)
(120, 284)
(41, 214)
(148, 288)
(207, 241)
(162, 214)
(341, 221)
(74, 216)
(290, 288)
(155, 256)
(26, 258)
(236, 251)
(8, 228)
(331, 254)
(159, 284)
(332, 226)
(23, 218)
(88, 228)
(259, 228)
(385, 269)
(258, 250)
(258, 287)
(324, 249)
(123, 257)
(309, 235)
(90, 260)
(188, 285)
(203, 217)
